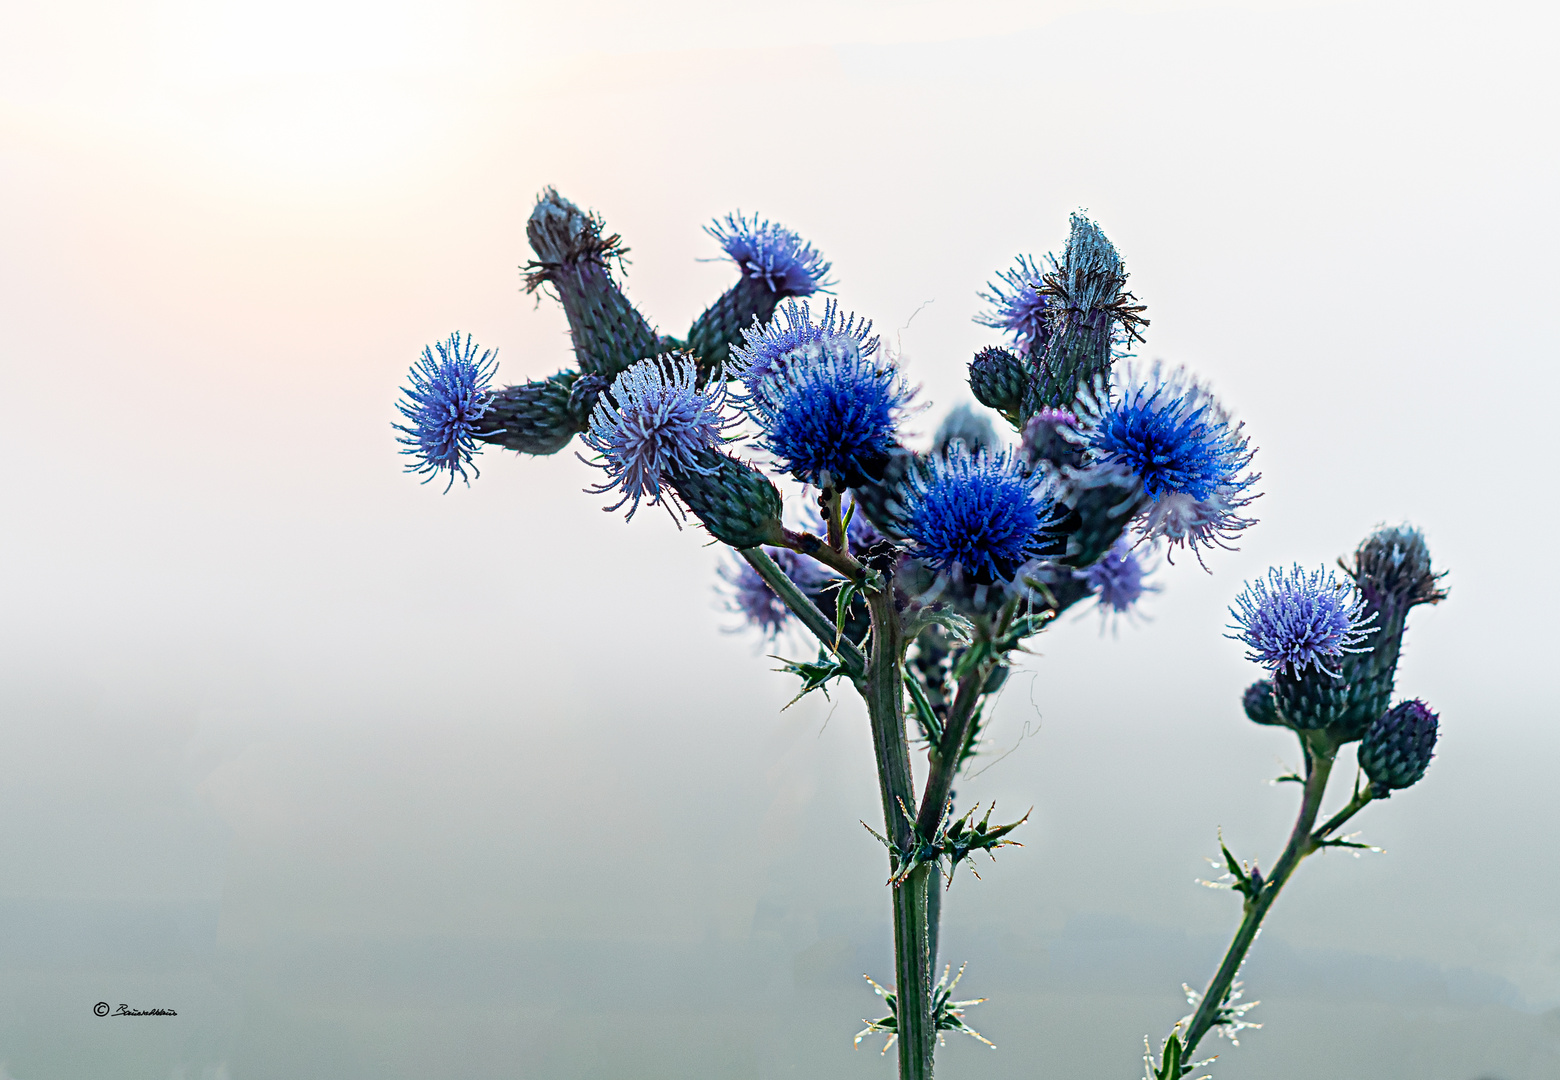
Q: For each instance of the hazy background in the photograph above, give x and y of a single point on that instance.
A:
(370, 782)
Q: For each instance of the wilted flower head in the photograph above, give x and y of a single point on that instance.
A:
(1392, 567)
(829, 410)
(1295, 620)
(446, 395)
(1169, 432)
(982, 513)
(653, 418)
(1018, 307)
(1119, 579)
(771, 254)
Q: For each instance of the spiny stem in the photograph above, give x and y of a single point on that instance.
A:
(885, 694)
(1320, 749)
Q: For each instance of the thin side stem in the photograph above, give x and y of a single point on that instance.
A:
(1319, 753)
(803, 608)
(944, 757)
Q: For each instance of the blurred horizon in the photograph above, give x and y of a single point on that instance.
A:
(366, 781)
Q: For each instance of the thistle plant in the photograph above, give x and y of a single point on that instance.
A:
(921, 574)
(1331, 649)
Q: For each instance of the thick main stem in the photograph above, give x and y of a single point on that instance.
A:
(1319, 753)
(885, 694)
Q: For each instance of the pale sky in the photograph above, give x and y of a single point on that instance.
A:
(370, 781)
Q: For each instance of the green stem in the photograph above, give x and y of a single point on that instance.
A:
(885, 694)
(1320, 750)
(815, 620)
(945, 756)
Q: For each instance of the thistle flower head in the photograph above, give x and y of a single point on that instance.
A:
(982, 514)
(1295, 620)
(748, 596)
(446, 395)
(653, 418)
(1119, 579)
(829, 410)
(1018, 307)
(793, 333)
(771, 254)
(1167, 430)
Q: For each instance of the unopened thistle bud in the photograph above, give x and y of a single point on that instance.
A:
(775, 263)
(572, 255)
(1392, 570)
(1399, 745)
(998, 381)
(538, 417)
(734, 501)
(963, 424)
(1258, 703)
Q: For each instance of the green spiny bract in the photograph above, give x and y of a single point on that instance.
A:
(537, 417)
(1393, 572)
(1100, 503)
(734, 501)
(572, 255)
(880, 500)
(1310, 700)
(712, 334)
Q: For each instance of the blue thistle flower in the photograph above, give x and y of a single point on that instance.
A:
(1118, 580)
(828, 410)
(1019, 308)
(772, 254)
(1172, 435)
(447, 394)
(654, 418)
(1292, 621)
(983, 515)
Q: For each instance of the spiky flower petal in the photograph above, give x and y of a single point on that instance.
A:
(1295, 620)
(794, 333)
(982, 514)
(1018, 306)
(446, 396)
(828, 408)
(1398, 747)
(651, 420)
(771, 254)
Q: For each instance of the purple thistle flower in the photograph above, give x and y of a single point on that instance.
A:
(771, 253)
(1170, 433)
(1295, 620)
(981, 514)
(651, 419)
(748, 595)
(771, 347)
(1018, 307)
(1118, 580)
(829, 411)
(447, 395)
